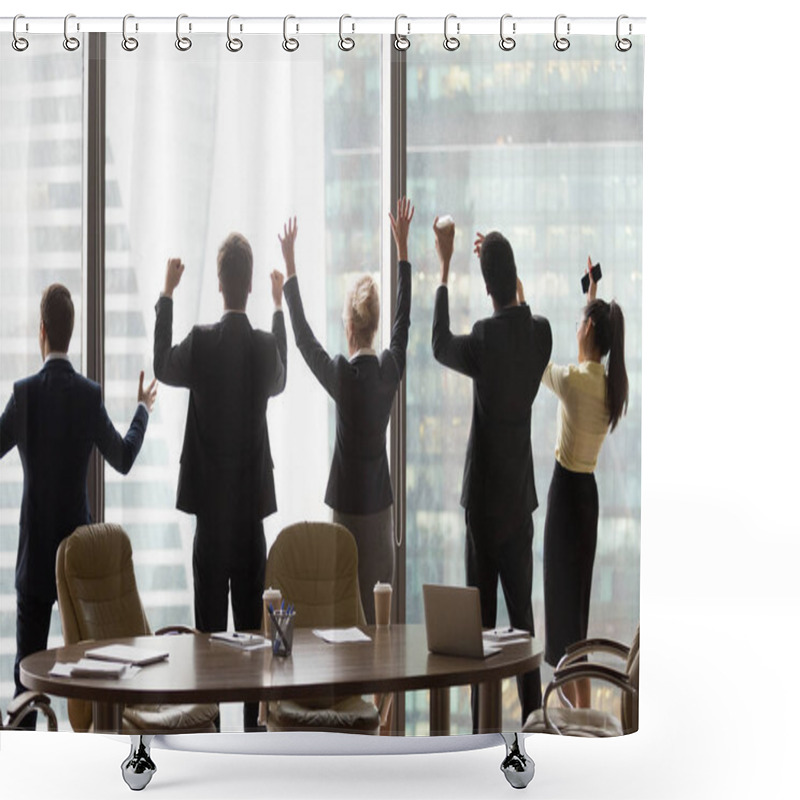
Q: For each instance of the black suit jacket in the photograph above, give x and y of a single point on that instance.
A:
(230, 369)
(364, 390)
(54, 418)
(505, 355)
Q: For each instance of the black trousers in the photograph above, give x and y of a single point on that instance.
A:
(570, 542)
(502, 547)
(229, 553)
(33, 628)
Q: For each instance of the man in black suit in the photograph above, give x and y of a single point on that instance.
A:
(55, 418)
(505, 355)
(225, 480)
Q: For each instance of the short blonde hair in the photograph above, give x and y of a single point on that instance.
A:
(362, 309)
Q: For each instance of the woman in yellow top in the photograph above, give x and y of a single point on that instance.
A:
(592, 398)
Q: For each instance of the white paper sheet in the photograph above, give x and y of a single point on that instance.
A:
(340, 635)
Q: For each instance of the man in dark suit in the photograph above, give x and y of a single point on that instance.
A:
(55, 418)
(225, 480)
(505, 355)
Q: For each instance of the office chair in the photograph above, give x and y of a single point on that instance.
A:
(23, 704)
(589, 722)
(98, 599)
(315, 566)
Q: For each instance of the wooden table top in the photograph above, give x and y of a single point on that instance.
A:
(200, 670)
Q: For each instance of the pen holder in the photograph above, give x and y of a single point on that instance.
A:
(282, 632)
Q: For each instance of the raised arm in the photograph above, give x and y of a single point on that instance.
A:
(314, 354)
(457, 352)
(171, 365)
(402, 315)
(278, 379)
(8, 427)
(118, 451)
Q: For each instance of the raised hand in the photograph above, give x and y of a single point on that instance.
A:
(148, 395)
(478, 243)
(175, 268)
(287, 247)
(277, 287)
(520, 292)
(400, 225)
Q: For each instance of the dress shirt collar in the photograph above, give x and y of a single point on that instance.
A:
(53, 356)
(364, 351)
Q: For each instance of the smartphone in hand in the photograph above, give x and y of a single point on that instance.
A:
(596, 274)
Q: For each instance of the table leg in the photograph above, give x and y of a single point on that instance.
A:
(490, 711)
(107, 717)
(138, 768)
(440, 711)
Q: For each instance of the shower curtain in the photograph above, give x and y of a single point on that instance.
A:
(541, 144)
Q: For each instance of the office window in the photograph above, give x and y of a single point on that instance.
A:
(545, 147)
(41, 181)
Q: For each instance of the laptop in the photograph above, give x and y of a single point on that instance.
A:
(453, 621)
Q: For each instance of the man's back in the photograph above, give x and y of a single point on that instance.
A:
(231, 370)
(54, 418)
(505, 355)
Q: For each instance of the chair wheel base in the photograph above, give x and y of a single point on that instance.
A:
(138, 768)
(517, 766)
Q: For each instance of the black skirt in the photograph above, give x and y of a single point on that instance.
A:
(570, 541)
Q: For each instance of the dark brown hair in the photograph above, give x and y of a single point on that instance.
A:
(235, 270)
(499, 268)
(609, 336)
(58, 316)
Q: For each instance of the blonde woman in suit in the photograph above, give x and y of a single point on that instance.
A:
(363, 385)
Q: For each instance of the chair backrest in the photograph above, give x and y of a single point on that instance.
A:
(97, 594)
(630, 703)
(96, 584)
(315, 566)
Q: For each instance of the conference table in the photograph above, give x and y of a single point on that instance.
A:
(201, 670)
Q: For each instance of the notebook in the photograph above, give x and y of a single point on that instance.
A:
(453, 621)
(126, 654)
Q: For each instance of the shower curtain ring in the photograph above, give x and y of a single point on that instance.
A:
(401, 42)
(183, 43)
(19, 43)
(129, 43)
(346, 43)
(233, 44)
(507, 42)
(451, 43)
(290, 44)
(623, 45)
(561, 43)
(71, 43)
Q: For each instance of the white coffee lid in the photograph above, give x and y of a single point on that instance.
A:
(445, 221)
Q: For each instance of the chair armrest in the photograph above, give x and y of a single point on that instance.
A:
(586, 647)
(19, 707)
(172, 630)
(574, 672)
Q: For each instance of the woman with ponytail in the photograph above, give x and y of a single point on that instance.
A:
(363, 386)
(592, 398)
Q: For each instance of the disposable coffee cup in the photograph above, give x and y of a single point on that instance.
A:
(270, 597)
(445, 221)
(382, 594)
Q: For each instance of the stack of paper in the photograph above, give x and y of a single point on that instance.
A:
(338, 635)
(244, 641)
(92, 668)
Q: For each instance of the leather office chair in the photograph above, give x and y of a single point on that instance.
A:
(98, 599)
(23, 704)
(589, 722)
(315, 566)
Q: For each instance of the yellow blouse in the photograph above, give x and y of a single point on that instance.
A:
(582, 413)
